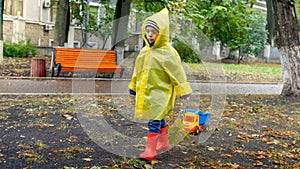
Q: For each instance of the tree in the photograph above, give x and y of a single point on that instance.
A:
(112, 21)
(288, 45)
(93, 23)
(121, 18)
(1, 18)
(225, 21)
(270, 22)
(257, 34)
(1, 29)
(62, 23)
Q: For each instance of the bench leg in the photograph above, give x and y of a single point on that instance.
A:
(111, 75)
(121, 73)
(52, 71)
(58, 69)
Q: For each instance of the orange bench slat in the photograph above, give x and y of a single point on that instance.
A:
(86, 60)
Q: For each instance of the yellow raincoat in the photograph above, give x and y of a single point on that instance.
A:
(158, 76)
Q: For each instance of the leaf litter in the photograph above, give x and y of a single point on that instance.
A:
(253, 132)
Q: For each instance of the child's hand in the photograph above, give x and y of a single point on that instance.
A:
(186, 96)
(187, 99)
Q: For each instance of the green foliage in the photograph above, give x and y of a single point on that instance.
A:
(218, 20)
(257, 35)
(234, 23)
(21, 49)
(149, 5)
(100, 27)
(174, 6)
(186, 53)
(297, 9)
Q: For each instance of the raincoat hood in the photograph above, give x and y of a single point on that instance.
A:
(162, 20)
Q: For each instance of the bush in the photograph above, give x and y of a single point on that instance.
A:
(21, 49)
(186, 53)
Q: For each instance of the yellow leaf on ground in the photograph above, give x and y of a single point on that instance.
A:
(87, 159)
(68, 117)
(258, 164)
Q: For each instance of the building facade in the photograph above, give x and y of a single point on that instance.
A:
(34, 20)
(28, 19)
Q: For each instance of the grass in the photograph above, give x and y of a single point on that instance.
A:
(274, 69)
(244, 73)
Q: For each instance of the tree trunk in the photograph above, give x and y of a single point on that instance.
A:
(1, 29)
(290, 62)
(62, 23)
(1, 18)
(288, 44)
(271, 22)
(120, 23)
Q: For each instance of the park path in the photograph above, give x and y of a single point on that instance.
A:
(54, 86)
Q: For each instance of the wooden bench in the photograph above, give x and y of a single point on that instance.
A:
(84, 60)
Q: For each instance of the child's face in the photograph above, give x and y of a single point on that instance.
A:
(151, 34)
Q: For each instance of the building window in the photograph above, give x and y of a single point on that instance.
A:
(13, 7)
(96, 11)
(51, 41)
(93, 13)
(76, 44)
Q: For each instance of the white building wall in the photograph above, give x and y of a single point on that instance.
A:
(32, 10)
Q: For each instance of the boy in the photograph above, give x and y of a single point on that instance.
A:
(157, 79)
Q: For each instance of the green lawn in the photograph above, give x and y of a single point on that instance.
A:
(250, 73)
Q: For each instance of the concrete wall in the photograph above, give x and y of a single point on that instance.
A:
(37, 34)
(7, 30)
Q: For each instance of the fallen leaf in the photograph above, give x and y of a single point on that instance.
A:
(226, 155)
(57, 151)
(148, 166)
(230, 165)
(154, 162)
(172, 165)
(258, 164)
(68, 117)
(138, 145)
(268, 141)
(237, 151)
(211, 149)
(260, 157)
(29, 155)
(87, 159)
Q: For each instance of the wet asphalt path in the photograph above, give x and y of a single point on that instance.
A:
(52, 86)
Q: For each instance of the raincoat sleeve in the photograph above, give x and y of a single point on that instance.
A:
(132, 85)
(173, 67)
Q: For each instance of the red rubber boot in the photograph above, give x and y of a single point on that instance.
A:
(150, 151)
(163, 140)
